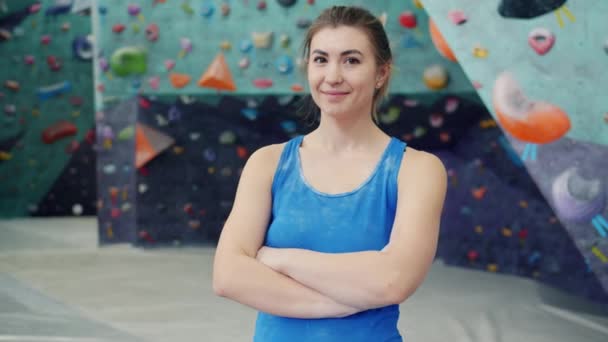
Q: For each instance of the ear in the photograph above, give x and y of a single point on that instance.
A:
(383, 73)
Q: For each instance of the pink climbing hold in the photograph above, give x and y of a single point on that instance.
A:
(262, 83)
(457, 17)
(29, 60)
(154, 82)
(35, 8)
(45, 40)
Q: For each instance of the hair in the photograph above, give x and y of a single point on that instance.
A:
(357, 17)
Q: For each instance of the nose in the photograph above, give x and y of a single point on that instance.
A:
(334, 74)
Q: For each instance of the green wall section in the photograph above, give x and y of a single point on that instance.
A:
(28, 166)
(412, 47)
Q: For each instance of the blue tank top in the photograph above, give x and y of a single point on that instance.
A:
(354, 221)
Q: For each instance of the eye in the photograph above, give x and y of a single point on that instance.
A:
(319, 59)
(351, 60)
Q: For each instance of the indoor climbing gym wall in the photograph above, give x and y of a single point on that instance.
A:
(539, 66)
(185, 92)
(47, 162)
(150, 53)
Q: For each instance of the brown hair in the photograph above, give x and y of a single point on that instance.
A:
(357, 17)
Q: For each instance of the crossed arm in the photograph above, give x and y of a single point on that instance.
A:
(307, 284)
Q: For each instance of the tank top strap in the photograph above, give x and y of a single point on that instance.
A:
(287, 162)
(392, 165)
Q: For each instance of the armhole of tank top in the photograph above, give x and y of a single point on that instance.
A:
(394, 181)
(279, 172)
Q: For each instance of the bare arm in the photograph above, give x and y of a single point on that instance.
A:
(236, 272)
(378, 278)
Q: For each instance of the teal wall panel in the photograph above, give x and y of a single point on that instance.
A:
(28, 166)
(412, 48)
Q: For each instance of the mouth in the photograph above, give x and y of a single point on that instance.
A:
(334, 93)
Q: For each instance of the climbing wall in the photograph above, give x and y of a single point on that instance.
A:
(540, 68)
(211, 49)
(164, 47)
(46, 101)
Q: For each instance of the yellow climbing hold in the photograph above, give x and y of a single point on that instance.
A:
(225, 45)
(480, 52)
(599, 254)
(5, 155)
(418, 4)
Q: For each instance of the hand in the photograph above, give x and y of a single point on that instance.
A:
(269, 256)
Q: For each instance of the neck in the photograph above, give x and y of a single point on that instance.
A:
(346, 134)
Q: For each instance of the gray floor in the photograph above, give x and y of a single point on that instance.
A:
(57, 285)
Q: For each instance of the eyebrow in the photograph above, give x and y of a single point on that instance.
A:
(343, 53)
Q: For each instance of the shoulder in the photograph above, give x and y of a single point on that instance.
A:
(422, 167)
(263, 162)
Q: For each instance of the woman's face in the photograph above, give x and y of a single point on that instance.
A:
(342, 71)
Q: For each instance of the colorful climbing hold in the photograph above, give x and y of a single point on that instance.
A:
(225, 45)
(179, 80)
(286, 3)
(284, 64)
(118, 28)
(225, 9)
(58, 130)
(440, 43)
(82, 47)
(479, 192)
(227, 138)
(133, 9)
(284, 40)
(154, 82)
(47, 92)
(262, 83)
(262, 40)
(12, 85)
(435, 77)
(261, 5)
(217, 75)
(245, 46)
(152, 32)
(207, 10)
(129, 60)
(480, 51)
(244, 63)
(436, 120)
(408, 19)
(45, 40)
(531, 121)
(303, 23)
(541, 40)
(169, 64)
(457, 17)
(54, 63)
(297, 87)
(186, 46)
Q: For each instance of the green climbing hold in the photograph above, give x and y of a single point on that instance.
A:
(130, 60)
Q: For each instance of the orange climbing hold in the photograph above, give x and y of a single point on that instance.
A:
(528, 120)
(217, 75)
(179, 80)
(440, 44)
(149, 143)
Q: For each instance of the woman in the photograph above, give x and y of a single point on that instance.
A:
(329, 232)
